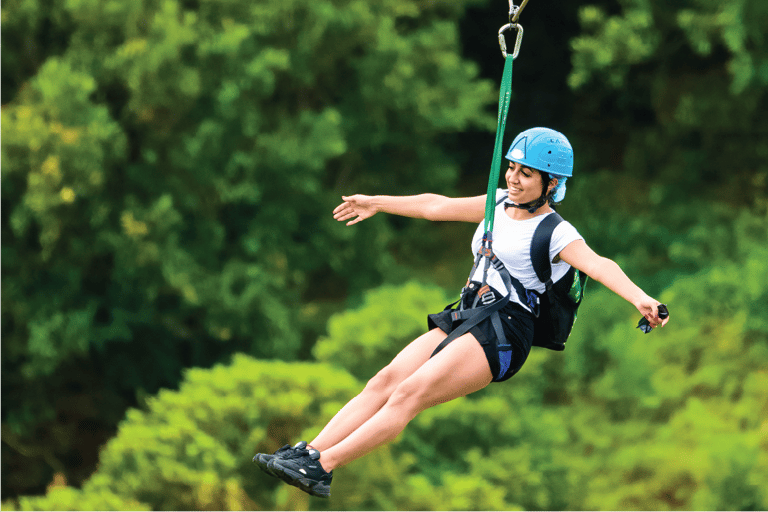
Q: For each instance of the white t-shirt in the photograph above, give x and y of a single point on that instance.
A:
(512, 245)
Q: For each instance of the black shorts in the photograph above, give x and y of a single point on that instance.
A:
(517, 323)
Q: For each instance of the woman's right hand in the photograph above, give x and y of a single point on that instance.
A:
(357, 208)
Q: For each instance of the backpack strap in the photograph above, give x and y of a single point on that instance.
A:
(540, 245)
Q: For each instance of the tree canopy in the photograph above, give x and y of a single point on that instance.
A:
(177, 295)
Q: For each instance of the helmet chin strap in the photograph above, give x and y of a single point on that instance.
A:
(531, 206)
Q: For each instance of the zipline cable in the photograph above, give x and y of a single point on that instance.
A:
(514, 11)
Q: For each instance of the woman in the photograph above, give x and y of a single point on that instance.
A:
(541, 160)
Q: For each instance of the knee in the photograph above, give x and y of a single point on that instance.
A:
(408, 395)
(382, 384)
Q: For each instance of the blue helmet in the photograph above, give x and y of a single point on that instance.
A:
(543, 149)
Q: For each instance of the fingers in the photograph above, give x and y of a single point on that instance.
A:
(650, 309)
(345, 216)
(662, 321)
(349, 209)
(343, 209)
(652, 320)
(656, 319)
(343, 206)
(346, 211)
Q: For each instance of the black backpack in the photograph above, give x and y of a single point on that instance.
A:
(555, 309)
(558, 305)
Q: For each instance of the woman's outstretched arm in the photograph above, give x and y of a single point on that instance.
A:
(423, 206)
(579, 255)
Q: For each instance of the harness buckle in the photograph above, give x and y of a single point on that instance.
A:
(487, 298)
(486, 295)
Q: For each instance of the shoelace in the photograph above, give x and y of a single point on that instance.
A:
(284, 449)
(297, 454)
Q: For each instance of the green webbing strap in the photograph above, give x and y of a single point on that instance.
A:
(505, 94)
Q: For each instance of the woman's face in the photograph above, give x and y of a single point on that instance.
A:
(524, 183)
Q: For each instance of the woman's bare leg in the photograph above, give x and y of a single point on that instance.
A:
(459, 369)
(378, 390)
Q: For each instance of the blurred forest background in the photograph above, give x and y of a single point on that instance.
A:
(177, 296)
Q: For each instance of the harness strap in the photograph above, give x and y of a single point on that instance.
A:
(509, 281)
(486, 250)
(474, 317)
(502, 344)
(483, 251)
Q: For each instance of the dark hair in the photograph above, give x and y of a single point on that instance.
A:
(546, 179)
(544, 198)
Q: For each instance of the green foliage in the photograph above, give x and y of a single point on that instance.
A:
(69, 498)
(659, 74)
(621, 420)
(365, 339)
(476, 437)
(168, 172)
(51, 157)
(625, 421)
(191, 449)
(620, 42)
(33, 31)
(169, 169)
(678, 90)
(691, 428)
(615, 43)
(680, 430)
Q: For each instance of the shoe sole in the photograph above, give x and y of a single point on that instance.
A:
(262, 460)
(264, 464)
(300, 480)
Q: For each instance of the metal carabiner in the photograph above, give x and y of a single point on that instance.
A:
(518, 39)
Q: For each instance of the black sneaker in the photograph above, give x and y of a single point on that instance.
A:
(302, 469)
(262, 459)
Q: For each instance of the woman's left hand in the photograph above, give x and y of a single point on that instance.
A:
(649, 308)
